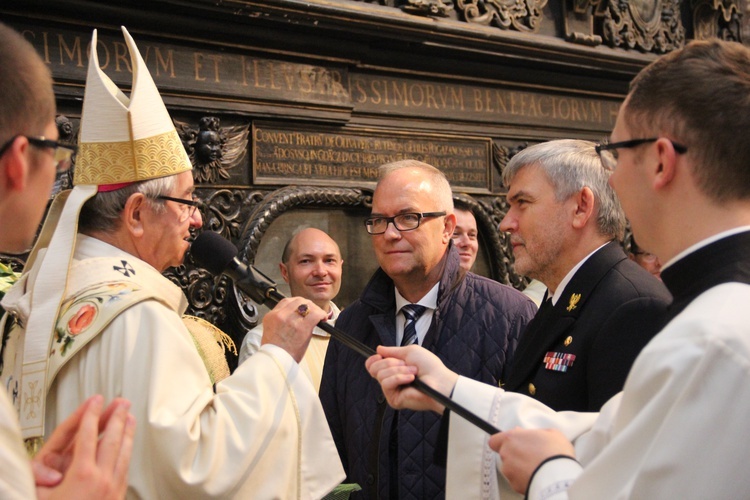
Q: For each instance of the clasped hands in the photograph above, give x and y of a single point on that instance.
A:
(88, 455)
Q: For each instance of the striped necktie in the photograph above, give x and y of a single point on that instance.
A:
(412, 312)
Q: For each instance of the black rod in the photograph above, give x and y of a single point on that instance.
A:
(274, 297)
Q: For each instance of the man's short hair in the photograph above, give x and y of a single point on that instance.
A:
(700, 96)
(571, 165)
(102, 212)
(460, 204)
(27, 100)
(442, 188)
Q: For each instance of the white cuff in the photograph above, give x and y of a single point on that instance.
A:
(552, 479)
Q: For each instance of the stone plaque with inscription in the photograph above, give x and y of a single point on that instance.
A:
(196, 71)
(283, 154)
(481, 103)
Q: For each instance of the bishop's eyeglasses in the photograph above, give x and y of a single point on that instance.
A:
(189, 206)
(403, 222)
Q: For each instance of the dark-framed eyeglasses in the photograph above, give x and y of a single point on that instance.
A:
(607, 151)
(189, 206)
(63, 153)
(403, 222)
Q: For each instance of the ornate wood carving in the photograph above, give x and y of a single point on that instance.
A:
(717, 19)
(213, 149)
(434, 8)
(521, 15)
(68, 134)
(224, 210)
(496, 208)
(579, 21)
(648, 25)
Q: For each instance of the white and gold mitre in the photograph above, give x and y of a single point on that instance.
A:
(122, 140)
(125, 139)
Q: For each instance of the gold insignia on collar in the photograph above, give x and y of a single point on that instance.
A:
(574, 298)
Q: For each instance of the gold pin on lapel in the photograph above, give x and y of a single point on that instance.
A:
(574, 298)
(568, 341)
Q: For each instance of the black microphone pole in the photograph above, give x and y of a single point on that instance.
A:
(269, 295)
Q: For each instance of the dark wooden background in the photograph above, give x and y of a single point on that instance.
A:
(304, 99)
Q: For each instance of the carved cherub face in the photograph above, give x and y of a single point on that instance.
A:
(208, 146)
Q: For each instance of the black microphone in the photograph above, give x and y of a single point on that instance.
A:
(218, 255)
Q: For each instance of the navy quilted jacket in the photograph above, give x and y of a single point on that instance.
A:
(474, 330)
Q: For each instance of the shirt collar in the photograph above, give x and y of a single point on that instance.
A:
(572, 273)
(429, 300)
(704, 243)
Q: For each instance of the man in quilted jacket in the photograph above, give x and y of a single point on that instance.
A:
(418, 295)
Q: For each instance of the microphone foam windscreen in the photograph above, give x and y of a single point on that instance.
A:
(213, 252)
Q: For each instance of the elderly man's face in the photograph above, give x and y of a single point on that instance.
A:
(465, 238)
(314, 267)
(165, 236)
(415, 253)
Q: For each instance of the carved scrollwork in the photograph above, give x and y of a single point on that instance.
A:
(716, 19)
(579, 16)
(68, 134)
(206, 294)
(648, 25)
(224, 210)
(502, 154)
(521, 15)
(434, 8)
(496, 208)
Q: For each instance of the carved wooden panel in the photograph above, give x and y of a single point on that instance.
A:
(717, 19)
(646, 25)
(520, 15)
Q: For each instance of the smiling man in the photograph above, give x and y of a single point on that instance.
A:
(419, 295)
(564, 223)
(311, 263)
(465, 236)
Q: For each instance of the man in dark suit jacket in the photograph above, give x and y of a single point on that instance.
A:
(601, 308)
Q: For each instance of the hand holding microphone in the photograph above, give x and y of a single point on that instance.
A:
(280, 326)
(284, 324)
